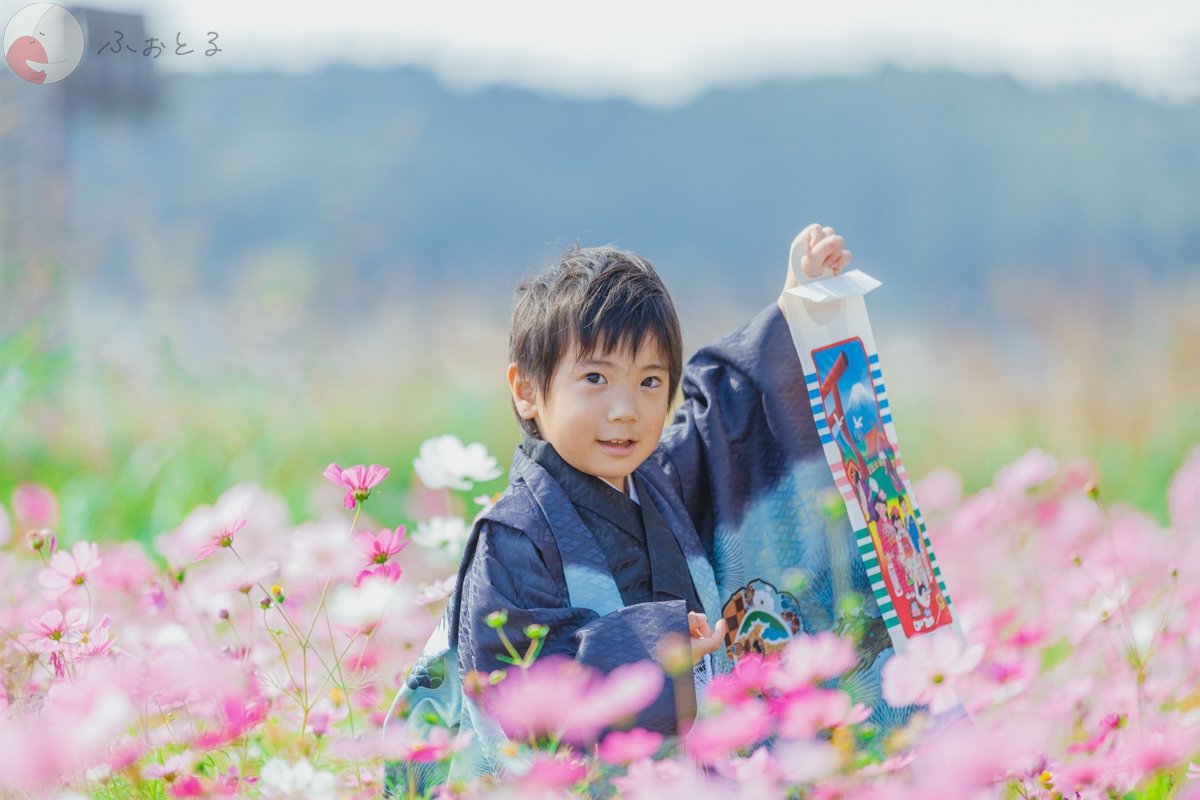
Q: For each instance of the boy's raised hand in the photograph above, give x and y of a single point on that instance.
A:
(705, 640)
(817, 249)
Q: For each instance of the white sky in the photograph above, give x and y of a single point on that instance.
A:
(659, 52)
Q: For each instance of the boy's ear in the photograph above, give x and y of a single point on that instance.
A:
(523, 393)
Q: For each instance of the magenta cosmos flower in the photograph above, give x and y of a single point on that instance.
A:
(379, 549)
(359, 481)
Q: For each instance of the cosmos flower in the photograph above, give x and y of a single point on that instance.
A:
(445, 462)
(926, 673)
(222, 538)
(69, 571)
(358, 481)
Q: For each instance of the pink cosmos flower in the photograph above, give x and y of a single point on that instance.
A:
(188, 787)
(1149, 752)
(559, 696)
(1079, 775)
(34, 506)
(810, 659)
(52, 630)
(89, 643)
(757, 775)
(940, 489)
(625, 747)
(239, 713)
(926, 672)
(68, 571)
(714, 738)
(438, 745)
(805, 714)
(1107, 725)
(171, 769)
(358, 480)
(547, 773)
(654, 780)
(124, 568)
(222, 538)
(1030, 470)
(747, 681)
(379, 549)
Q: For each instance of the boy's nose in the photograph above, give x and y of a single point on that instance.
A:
(622, 408)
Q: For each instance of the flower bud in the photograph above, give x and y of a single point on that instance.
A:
(497, 619)
(675, 655)
(536, 631)
(42, 538)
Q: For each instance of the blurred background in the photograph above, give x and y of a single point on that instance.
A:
(240, 264)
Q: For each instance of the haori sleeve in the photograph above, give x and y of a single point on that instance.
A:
(744, 418)
(507, 573)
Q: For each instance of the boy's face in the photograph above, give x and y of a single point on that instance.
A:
(603, 412)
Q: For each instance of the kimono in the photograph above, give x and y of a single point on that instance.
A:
(744, 455)
(737, 479)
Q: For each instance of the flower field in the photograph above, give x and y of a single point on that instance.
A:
(261, 660)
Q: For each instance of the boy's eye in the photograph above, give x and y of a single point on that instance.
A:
(594, 377)
(652, 382)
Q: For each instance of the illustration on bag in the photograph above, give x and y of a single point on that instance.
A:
(867, 474)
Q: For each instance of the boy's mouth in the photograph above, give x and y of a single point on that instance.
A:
(617, 446)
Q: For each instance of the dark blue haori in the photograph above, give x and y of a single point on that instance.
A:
(731, 524)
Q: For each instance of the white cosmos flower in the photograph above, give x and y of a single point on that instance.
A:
(448, 534)
(445, 462)
(299, 781)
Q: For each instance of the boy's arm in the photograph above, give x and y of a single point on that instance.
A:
(506, 572)
(745, 418)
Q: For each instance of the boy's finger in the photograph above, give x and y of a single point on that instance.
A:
(828, 247)
(843, 262)
(719, 631)
(815, 233)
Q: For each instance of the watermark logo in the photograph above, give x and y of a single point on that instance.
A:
(43, 43)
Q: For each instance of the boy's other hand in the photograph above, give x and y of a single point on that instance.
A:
(705, 639)
(817, 249)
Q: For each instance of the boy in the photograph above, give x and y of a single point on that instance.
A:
(616, 532)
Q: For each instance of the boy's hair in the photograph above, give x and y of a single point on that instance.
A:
(595, 299)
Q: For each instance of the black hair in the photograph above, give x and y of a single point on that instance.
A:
(594, 299)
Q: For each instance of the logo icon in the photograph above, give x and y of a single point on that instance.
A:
(43, 43)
